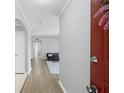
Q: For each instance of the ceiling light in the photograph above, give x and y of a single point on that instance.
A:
(37, 39)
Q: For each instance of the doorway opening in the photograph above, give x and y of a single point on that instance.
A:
(37, 49)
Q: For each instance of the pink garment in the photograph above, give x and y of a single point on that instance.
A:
(104, 11)
(106, 26)
(104, 18)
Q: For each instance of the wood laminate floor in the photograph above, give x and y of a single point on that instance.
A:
(40, 80)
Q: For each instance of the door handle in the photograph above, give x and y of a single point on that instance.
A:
(92, 89)
(94, 59)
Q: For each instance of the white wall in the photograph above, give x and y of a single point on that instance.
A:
(49, 45)
(49, 25)
(75, 46)
(19, 15)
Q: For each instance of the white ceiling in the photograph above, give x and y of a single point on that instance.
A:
(41, 13)
(42, 6)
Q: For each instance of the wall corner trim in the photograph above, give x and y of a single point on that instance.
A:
(63, 8)
(62, 87)
(21, 11)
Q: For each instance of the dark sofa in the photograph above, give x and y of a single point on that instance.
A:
(53, 56)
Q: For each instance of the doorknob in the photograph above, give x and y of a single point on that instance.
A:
(92, 89)
(89, 89)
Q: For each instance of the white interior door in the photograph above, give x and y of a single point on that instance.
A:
(19, 52)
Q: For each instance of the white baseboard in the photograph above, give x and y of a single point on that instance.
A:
(29, 72)
(62, 87)
(20, 80)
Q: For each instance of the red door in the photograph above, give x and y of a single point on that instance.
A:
(100, 49)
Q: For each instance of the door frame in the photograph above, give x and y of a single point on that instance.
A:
(26, 50)
(33, 46)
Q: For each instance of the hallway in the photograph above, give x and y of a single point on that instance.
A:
(40, 79)
(58, 25)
